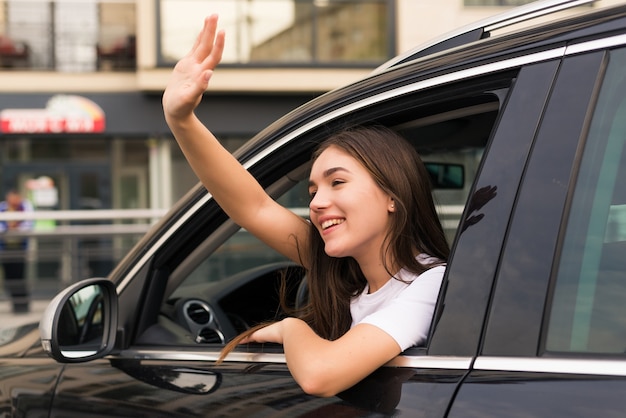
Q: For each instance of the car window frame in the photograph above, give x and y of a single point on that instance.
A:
(472, 88)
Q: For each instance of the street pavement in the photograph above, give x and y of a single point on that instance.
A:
(8, 319)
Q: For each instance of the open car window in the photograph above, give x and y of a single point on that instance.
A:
(230, 283)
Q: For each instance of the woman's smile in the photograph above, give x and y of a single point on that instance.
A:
(331, 222)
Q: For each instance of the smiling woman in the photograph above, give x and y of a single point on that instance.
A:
(363, 265)
(374, 232)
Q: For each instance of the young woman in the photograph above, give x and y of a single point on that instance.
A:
(374, 249)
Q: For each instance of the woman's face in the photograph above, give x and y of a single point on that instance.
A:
(350, 211)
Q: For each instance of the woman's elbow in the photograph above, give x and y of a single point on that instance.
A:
(322, 382)
(318, 387)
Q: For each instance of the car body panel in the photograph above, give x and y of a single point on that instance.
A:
(266, 389)
(519, 394)
(28, 377)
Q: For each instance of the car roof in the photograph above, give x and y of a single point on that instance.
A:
(482, 29)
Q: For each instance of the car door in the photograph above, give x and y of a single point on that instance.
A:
(555, 337)
(208, 279)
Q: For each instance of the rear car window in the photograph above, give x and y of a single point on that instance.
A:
(588, 310)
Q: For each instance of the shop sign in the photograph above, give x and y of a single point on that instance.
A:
(62, 114)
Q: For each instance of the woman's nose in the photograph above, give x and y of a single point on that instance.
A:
(319, 201)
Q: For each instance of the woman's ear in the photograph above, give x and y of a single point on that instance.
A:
(392, 205)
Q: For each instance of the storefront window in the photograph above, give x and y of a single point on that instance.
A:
(67, 35)
(304, 32)
(47, 149)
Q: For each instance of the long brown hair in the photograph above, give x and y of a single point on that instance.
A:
(414, 228)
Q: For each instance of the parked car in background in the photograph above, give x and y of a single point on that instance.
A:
(524, 135)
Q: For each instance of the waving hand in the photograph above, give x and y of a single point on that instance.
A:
(192, 73)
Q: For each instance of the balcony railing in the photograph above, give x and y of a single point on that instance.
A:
(67, 246)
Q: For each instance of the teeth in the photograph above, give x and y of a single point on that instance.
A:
(331, 222)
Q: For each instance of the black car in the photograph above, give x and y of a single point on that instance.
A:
(524, 135)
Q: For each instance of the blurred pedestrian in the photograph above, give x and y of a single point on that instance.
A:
(13, 250)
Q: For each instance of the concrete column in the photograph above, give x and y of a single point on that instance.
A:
(160, 157)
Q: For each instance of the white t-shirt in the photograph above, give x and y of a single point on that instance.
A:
(402, 310)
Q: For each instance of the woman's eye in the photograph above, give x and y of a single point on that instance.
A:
(337, 182)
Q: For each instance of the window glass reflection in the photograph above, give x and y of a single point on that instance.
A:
(283, 31)
(68, 35)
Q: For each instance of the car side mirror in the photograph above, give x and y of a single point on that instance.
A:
(80, 323)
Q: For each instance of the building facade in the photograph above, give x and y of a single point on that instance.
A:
(81, 81)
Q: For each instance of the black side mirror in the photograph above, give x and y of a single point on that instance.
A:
(80, 323)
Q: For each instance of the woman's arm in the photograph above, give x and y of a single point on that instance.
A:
(325, 368)
(232, 186)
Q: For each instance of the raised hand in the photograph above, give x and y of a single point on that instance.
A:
(191, 74)
(231, 185)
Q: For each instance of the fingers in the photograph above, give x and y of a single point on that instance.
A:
(216, 53)
(209, 44)
(196, 49)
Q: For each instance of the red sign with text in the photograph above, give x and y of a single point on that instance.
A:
(62, 114)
